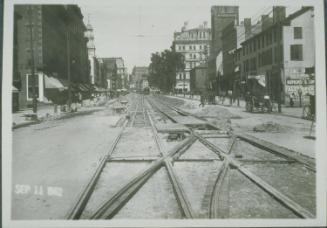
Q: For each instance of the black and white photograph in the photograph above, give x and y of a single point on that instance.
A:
(172, 113)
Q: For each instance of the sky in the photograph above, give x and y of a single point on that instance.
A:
(135, 29)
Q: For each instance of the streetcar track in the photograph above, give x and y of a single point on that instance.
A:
(228, 161)
(141, 118)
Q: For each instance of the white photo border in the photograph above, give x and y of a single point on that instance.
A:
(321, 136)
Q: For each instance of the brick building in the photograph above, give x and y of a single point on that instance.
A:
(55, 28)
(282, 54)
(221, 16)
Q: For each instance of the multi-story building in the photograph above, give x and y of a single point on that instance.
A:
(139, 77)
(47, 35)
(113, 71)
(194, 44)
(120, 73)
(109, 72)
(94, 72)
(221, 16)
(282, 55)
(232, 37)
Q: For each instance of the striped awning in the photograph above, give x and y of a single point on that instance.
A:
(53, 83)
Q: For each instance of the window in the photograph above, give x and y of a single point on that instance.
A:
(296, 52)
(263, 41)
(183, 47)
(297, 32)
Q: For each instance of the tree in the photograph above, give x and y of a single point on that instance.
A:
(163, 68)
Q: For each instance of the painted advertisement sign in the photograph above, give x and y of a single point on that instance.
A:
(303, 86)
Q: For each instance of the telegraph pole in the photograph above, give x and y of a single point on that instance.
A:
(32, 63)
(68, 68)
(279, 78)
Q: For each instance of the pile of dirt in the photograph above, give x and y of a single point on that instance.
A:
(189, 105)
(216, 112)
(223, 125)
(269, 127)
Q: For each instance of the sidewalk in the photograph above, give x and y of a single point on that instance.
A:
(46, 112)
(291, 128)
(295, 112)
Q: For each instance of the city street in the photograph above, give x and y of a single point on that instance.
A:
(181, 112)
(54, 161)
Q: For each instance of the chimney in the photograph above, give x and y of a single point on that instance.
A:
(266, 22)
(247, 27)
(184, 26)
(279, 14)
(205, 24)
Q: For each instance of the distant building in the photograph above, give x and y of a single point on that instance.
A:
(94, 65)
(139, 78)
(120, 73)
(55, 29)
(282, 54)
(113, 71)
(232, 37)
(199, 82)
(221, 16)
(194, 44)
(108, 69)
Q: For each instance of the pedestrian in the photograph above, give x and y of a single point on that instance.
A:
(202, 100)
(292, 96)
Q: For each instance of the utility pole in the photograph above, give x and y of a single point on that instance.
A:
(68, 68)
(279, 78)
(32, 62)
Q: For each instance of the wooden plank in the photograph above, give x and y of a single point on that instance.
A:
(292, 205)
(282, 151)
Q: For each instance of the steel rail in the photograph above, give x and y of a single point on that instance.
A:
(278, 150)
(181, 197)
(179, 191)
(85, 195)
(134, 116)
(286, 201)
(214, 199)
(121, 197)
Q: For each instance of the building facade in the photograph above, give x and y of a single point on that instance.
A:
(282, 54)
(108, 70)
(44, 37)
(139, 78)
(194, 44)
(232, 37)
(221, 16)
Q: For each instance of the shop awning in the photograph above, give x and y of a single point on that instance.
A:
(260, 78)
(53, 83)
(237, 69)
(14, 89)
(83, 88)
